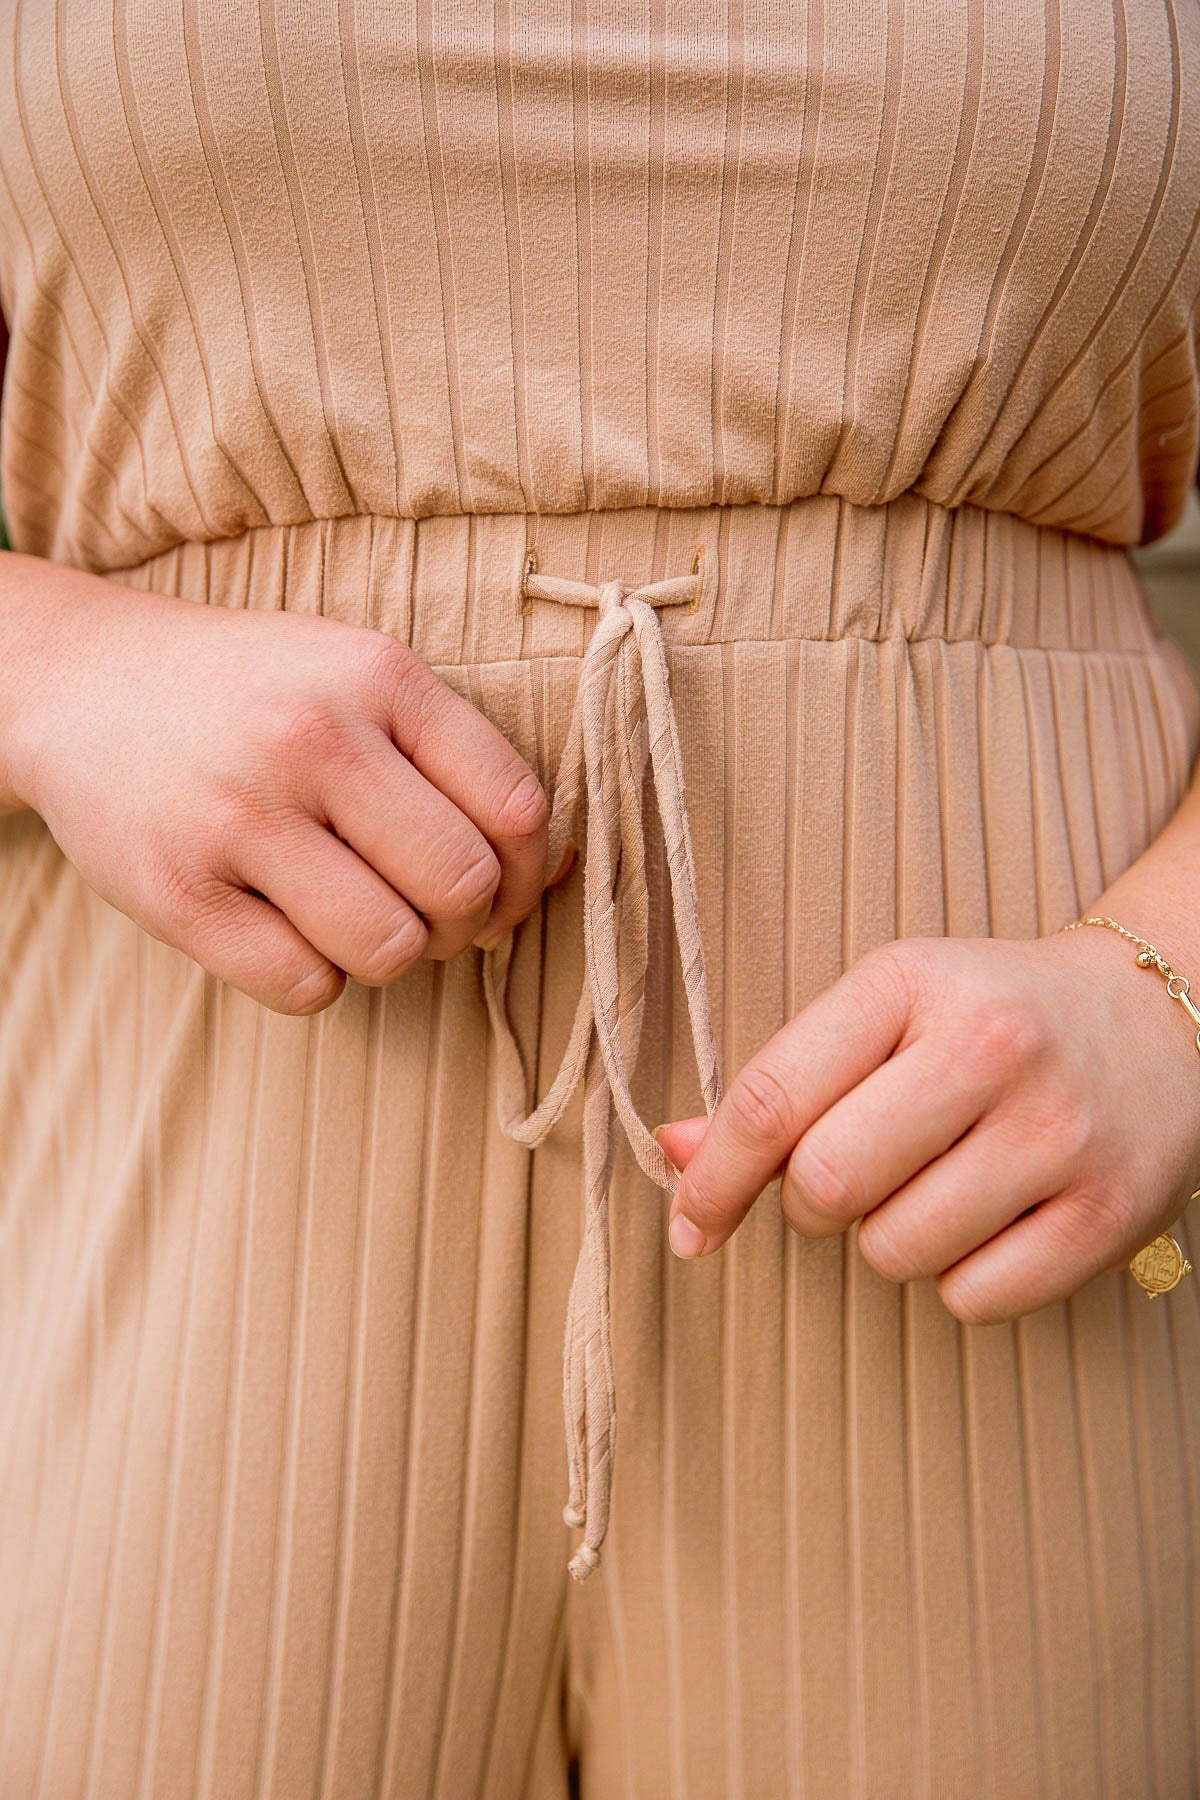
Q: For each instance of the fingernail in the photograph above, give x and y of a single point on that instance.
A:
(490, 937)
(685, 1238)
(658, 1128)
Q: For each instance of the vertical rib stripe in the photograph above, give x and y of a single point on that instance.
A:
(400, 1648)
(1051, 45)
(365, 189)
(223, 196)
(512, 232)
(582, 182)
(735, 96)
(318, 309)
(1178, 1342)
(69, 328)
(234, 1431)
(137, 138)
(435, 179)
(142, 335)
(154, 1693)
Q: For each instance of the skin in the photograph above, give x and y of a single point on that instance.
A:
(1007, 1118)
(288, 799)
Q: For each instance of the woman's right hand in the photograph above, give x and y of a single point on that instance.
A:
(287, 798)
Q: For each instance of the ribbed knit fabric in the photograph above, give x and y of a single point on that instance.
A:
(890, 311)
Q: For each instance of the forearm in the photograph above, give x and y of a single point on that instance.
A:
(19, 609)
(40, 606)
(1158, 896)
(74, 656)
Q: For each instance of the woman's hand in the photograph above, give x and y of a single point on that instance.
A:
(1011, 1118)
(286, 798)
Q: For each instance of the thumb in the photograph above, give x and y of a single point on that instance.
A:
(681, 1139)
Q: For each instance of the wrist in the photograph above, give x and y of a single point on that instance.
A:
(1158, 896)
(22, 600)
(1150, 1023)
(1154, 915)
(47, 617)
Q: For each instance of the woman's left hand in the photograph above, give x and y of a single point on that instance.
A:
(1009, 1117)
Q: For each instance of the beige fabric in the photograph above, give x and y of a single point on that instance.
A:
(890, 311)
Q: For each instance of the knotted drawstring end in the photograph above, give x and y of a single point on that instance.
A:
(584, 1561)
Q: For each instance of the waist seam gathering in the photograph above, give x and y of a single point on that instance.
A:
(681, 647)
(965, 508)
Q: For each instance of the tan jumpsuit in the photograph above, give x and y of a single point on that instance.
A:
(887, 307)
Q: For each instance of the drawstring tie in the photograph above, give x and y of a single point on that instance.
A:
(623, 718)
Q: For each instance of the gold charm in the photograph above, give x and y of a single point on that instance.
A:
(1160, 1266)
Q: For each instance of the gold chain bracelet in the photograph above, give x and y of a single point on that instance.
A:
(1162, 1265)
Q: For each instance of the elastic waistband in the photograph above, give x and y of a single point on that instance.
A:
(820, 568)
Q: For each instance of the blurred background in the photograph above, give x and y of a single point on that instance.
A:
(1171, 572)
